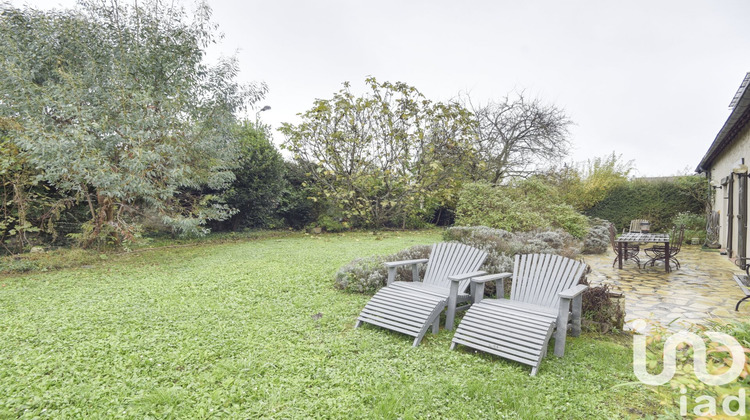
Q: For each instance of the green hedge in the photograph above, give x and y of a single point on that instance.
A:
(658, 202)
(523, 206)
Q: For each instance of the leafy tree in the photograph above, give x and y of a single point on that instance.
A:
(587, 184)
(28, 206)
(516, 136)
(297, 208)
(385, 158)
(116, 105)
(257, 189)
(16, 179)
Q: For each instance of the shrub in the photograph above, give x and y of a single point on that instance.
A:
(600, 310)
(296, 207)
(330, 224)
(596, 240)
(527, 205)
(657, 202)
(259, 180)
(367, 275)
(695, 225)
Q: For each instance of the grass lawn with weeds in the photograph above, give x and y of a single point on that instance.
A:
(256, 329)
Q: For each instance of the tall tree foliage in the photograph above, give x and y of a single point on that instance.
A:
(516, 137)
(585, 184)
(115, 103)
(256, 191)
(17, 181)
(385, 158)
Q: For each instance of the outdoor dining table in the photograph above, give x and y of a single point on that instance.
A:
(626, 238)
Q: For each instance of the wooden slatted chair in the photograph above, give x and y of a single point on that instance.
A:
(636, 225)
(412, 307)
(543, 289)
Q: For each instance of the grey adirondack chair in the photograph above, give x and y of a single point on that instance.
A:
(412, 307)
(543, 289)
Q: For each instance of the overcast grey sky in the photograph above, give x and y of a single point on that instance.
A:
(651, 80)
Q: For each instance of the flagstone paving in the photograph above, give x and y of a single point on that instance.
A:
(701, 291)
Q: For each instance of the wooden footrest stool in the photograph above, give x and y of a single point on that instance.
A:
(507, 329)
(744, 284)
(401, 308)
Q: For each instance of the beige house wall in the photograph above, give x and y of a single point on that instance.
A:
(721, 168)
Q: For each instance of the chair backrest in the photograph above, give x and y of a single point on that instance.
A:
(635, 225)
(678, 235)
(449, 258)
(612, 237)
(539, 278)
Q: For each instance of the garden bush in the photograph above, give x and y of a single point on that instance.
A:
(658, 202)
(695, 225)
(259, 181)
(596, 240)
(601, 312)
(527, 205)
(367, 275)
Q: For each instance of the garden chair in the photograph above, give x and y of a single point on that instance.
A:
(412, 307)
(657, 252)
(543, 289)
(635, 226)
(631, 253)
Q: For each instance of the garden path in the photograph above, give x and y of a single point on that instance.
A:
(701, 291)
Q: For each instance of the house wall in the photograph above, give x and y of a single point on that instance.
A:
(721, 168)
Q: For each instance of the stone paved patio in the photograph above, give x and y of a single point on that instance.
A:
(702, 290)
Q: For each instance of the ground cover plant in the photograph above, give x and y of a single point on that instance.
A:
(255, 329)
(685, 392)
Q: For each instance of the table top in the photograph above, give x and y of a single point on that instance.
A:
(643, 237)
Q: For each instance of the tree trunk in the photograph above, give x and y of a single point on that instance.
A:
(19, 197)
(105, 215)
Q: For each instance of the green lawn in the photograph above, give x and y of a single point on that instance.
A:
(255, 329)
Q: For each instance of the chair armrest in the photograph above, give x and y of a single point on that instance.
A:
(477, 285)
(491, 277)
(464, 276)
(573, 291)
(407, 262)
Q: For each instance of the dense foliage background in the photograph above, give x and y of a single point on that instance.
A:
(120, 130)
(656, 201)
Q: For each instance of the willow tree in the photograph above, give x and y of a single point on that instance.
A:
(384, 158)
(115, 103)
